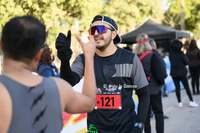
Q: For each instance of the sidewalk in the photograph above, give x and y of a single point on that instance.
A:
(185, 120)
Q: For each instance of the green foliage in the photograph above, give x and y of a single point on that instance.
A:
(172, 20)
(76, 15)
(191, 14)
(64, 13)
(9, 9)
(129, 12)
(90, 8)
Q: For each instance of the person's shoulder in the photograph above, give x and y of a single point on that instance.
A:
(39, 64)
(61, 83)
(152, 55)
(197, 49)
(43, 66)
(155, 52)
(159, 55)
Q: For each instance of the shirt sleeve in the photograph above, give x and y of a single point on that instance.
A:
(138, 76)
(78, 66)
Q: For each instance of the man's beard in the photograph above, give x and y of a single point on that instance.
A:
(106, 44)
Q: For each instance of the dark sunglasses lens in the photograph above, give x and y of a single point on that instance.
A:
(92, 30)
(100, 29)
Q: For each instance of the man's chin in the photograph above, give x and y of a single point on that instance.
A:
(100, 47)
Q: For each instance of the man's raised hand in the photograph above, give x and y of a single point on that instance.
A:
(89, 47)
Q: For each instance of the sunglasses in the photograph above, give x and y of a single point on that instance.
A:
(100, 29)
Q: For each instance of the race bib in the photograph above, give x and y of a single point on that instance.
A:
(108, 99)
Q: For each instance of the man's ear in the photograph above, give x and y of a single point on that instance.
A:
(38, 55)
(114, 34)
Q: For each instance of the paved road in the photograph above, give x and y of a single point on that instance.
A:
(185, 120)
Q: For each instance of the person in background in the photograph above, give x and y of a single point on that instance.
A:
(117, 73)
(193, 54)
(163, 67)
(162, 63)
(155, 77)
(178, 71)
(46, 67)
(31, 103)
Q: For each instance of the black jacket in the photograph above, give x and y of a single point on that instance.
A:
(178, 60)
(162, 64)
(152, 69)
(193, 54)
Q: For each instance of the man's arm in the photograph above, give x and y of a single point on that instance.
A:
(64, 53)
(67, 74)
(142, 91)
(74, 102)
(144, 99)
(143, 96)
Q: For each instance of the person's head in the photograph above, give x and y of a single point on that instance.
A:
(104, 30)
(193, 43)
(176, 45)
(47, 56)
(22, 38)
(142, 44)
(152, 43)
(166, 54)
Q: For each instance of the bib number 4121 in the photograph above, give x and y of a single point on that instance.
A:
(108, 102)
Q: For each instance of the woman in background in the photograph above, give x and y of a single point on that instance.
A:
(45, 67)
(178, 71)
(193, 54)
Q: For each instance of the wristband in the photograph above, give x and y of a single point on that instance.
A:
(139, 125)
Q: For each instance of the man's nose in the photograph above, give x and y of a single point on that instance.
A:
(96, 32)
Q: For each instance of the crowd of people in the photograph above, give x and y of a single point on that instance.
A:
(110, 75)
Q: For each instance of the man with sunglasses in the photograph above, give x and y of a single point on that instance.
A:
(117, 73)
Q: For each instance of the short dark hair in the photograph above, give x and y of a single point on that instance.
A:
(23, 37)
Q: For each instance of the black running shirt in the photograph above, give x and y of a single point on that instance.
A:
(116, 77)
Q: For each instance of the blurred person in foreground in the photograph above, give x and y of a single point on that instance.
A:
(178, 71)
(32, 103)
(193, 54)
(155, 77)
(117, 73)
(46, 67)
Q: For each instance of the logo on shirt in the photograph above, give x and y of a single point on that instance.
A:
(98, 91)
(92, 129)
